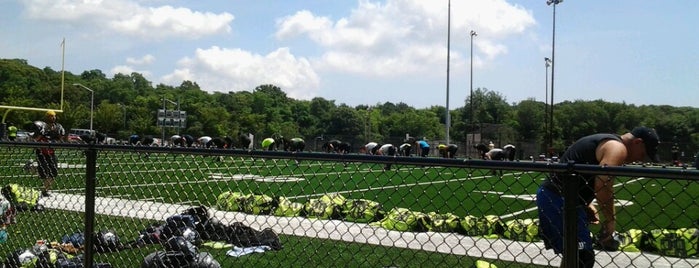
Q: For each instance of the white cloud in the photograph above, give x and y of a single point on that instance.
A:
(145, 60)
(127, 70)
(224, 70)
(168, 21)
(130, 18)
(377, 39)
(406, 37)
(301, 23)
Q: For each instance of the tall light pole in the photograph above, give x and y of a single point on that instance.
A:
(570, 254)
(553, 67)
(448, 115)
(92, 102)
(162, 128)
(547, 63)
(470, 98)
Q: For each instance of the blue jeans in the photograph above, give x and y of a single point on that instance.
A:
(550, 205)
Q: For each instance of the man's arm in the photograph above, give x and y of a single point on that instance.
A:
(605, 200)
(610, 153)
(62, 132)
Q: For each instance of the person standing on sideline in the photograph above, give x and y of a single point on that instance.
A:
(597, 149)
(675, 151)
(12, 132)
(46, 156)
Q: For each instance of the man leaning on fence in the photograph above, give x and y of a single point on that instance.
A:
(50, 131)
(597, 149)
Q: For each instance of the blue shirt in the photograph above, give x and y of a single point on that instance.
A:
(423, 144)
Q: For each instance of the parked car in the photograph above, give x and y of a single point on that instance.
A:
(23, 135)
(74, 138)
(109, 140)
(82, 132)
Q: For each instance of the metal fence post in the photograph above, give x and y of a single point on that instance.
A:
(90, 178)
(570, 220)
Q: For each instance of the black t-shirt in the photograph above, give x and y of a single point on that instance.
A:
(582, 151)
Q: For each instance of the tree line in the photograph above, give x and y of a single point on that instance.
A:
(127, 104)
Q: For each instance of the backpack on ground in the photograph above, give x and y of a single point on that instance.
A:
(245, 236)
(230, 201)
(361, 210)
(489, 226)
(436, 222)
(258, 204)
(153, 234)
(287, 208)
(328, 206)
(200, 214)
(681, 242)
(400, 219)
(213, 230)
(178, 225)
(106, 241)
(240, 235)
(7, 212)
(526, 230)
(22, 198)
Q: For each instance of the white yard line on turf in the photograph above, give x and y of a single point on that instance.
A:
(617, 202)
(387, 187)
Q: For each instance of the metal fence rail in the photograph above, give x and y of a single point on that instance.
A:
(283, 209)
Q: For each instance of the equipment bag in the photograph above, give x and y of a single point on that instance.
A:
(526, 230)
(287, 208)
(361, 210)
(23, 198)
(436, 222)
(489, 226)
(400, 219)
(328, 206)
(677, 243)
(258, 204)
(230, 201)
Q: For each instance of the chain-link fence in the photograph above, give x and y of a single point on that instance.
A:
(168, 205)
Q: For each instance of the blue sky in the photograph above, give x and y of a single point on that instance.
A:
(370, 52)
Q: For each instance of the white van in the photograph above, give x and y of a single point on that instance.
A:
(81, 132)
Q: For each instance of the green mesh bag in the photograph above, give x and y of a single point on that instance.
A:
(258, 204)
(287, 208)
(361, 210)
(526, 230)
(400, 219)
(230, 201)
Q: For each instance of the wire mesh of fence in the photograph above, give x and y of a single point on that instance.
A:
(176, 207)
